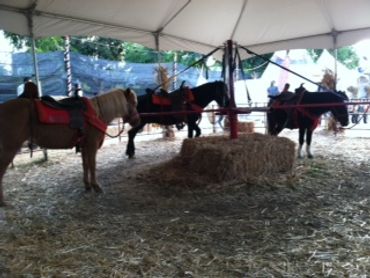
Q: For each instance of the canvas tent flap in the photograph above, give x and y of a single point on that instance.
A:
(197, 25)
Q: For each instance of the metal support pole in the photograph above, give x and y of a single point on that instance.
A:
(34, 57)
(29, 16)
(35, 66)
(335, 36)
(233, 116)
(174, 70)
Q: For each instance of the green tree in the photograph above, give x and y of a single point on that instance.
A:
(255, 66)
(42, 45)
(346, 55)
(103, 48)
(116, 50)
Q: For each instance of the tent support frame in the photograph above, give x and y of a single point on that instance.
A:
(233, 116)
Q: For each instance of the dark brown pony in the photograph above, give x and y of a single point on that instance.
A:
(19, 122)
(303, 111)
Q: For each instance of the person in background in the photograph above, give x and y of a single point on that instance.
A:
(20, 88)
(286, 88)
(273, 90)
(78, 90)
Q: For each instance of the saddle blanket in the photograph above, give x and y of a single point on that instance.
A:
(49, 115)
(166, 101)
(160, 100)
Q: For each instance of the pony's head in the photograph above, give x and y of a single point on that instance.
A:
(133, 117)
(340, 112)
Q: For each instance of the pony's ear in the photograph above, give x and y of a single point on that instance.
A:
(343, 95)
(127, 92)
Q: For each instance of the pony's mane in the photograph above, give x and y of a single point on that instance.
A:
(209, 84)
(320, 97)
(111, 104)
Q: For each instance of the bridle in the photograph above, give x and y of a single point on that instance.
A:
(122, 129)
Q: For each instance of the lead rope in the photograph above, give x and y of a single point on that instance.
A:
(359, 120)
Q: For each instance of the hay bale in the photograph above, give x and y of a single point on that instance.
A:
(246, 127)
(248, 157)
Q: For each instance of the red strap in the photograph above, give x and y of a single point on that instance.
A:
(162, 101)
(189, 96)
(92, 118)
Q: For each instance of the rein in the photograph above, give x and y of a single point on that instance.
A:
(359, 120)
(119, 132)
(304, 111)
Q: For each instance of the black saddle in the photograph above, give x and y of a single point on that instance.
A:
(71, 103)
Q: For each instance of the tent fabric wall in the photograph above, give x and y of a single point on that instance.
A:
(95, 75)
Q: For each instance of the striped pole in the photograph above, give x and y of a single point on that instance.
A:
(67, 63)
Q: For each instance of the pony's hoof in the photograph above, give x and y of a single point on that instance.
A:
(97, 189)
(2, 203)
(310, 156)
(132, 156)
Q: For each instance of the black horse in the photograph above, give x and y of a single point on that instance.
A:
(305, 118)
(203, 95)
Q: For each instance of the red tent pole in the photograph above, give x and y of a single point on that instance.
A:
(233, 116)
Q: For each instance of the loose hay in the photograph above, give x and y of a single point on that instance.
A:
(250, 157)
(319, 227)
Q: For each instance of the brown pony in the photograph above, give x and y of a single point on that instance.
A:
(19, 122)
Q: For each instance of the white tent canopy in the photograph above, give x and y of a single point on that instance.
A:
(196, 25)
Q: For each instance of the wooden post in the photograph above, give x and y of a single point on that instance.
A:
(233, 116)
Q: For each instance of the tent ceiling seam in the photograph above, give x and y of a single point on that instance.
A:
(239, 18)
(329, 20)
(81, 20)
(51, 15)
(160, 29)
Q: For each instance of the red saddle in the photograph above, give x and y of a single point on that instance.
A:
(49, 115)
(166, 100)
(58, 116)
(161, 100)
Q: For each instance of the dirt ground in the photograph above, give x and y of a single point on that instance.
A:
(313, 223)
